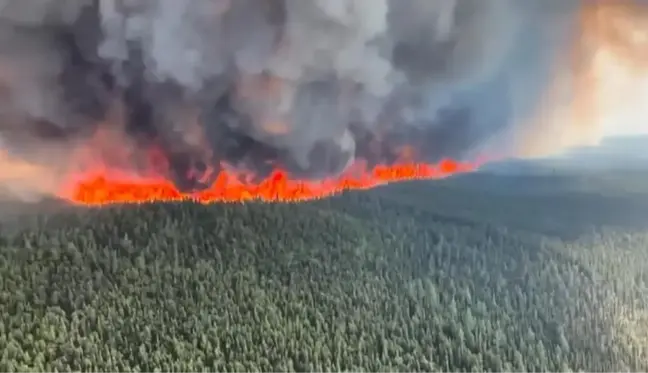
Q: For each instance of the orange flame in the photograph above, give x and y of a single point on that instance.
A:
(103, 189)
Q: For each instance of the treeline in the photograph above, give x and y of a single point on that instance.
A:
(353, 283)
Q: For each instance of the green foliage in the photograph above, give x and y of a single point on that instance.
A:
(356, 283)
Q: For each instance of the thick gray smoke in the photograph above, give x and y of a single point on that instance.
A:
(305, 85)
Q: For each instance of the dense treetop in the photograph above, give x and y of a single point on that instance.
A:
(379, 281)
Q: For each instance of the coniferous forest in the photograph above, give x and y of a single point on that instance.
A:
(423, 276)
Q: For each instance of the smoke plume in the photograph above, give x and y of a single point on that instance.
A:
(183, 88)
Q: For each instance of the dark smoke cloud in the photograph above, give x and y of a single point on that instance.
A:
(305, 85)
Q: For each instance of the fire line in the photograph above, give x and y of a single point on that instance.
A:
(278, 187)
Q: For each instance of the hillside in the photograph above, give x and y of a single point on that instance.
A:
(419, 277)
(564, 206)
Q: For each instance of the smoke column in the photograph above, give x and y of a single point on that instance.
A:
(131, 100)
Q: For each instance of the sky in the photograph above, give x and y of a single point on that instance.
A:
(624, 99)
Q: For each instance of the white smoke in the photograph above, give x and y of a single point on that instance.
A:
(191, 41)
(377, 49)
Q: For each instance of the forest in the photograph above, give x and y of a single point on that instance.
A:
(459, 275)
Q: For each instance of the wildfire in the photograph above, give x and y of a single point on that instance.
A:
(94, 182)
(610, 71)
(103, 189)
(610, 94)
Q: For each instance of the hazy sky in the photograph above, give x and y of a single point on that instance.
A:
(631, 121)
(626, 108)
(619, 67)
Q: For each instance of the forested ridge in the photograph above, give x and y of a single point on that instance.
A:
(386, 280)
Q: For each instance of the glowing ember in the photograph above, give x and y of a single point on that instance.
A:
(102, 189)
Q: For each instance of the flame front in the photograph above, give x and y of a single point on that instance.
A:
(103, 189)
